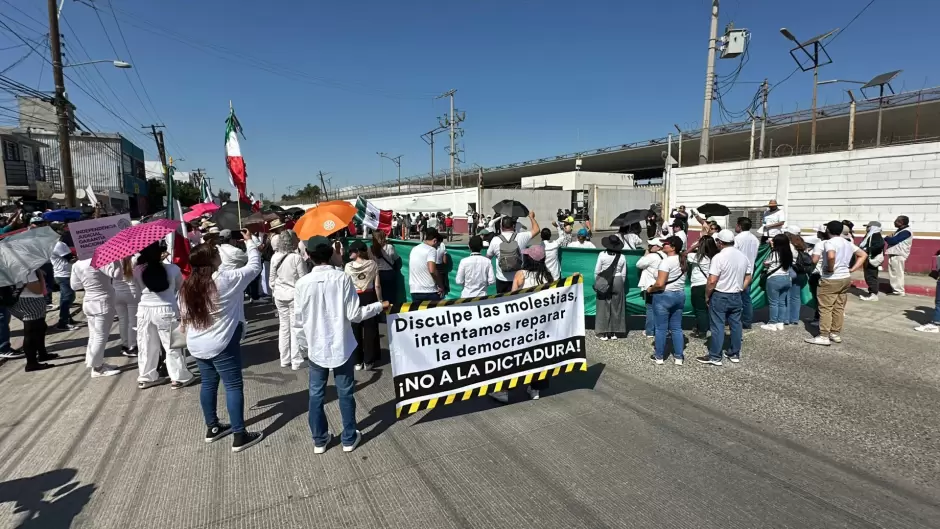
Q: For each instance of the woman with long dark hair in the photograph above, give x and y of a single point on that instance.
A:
(798, 279)
(158, 319)
(126, 300)
(778, 268)
(212, 306)
(874, 245)
(699, 263)
(669, 301)
(386, 258)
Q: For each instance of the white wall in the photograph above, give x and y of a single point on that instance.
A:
(862, 185)
(457, 200)
(577, 180)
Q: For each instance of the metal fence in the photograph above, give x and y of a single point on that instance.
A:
(24, 174)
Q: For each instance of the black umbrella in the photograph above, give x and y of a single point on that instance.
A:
(227, 215)
(162, 213)
(294, 211)
(713, 210)
(259, 218)
(630, 217)
(511, 208)
(275, 208)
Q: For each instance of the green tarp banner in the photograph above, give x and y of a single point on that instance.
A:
(581, 260)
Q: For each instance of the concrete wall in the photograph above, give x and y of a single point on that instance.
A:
(861, 186)
(607, 203)
(544, 202)
(576, 180)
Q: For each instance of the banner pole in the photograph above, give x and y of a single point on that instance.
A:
(238, 202)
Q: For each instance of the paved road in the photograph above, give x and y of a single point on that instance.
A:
(791, 437)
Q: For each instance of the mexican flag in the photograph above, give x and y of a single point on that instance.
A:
(233, 156)
(206, 192)
(370, 216)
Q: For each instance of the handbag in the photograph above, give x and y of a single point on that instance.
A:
(177, 336)
(604, 280)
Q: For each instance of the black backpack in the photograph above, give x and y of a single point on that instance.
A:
(803, 264)
(9, 295)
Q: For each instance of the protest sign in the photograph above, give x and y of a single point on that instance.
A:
(89, 234)
(472, 346)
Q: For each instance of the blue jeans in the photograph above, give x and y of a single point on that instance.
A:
(747, 309)
(778, 292)
(5, 330)
(425, 296)
(667, 307)
(345, 381)
(723, 308)
(936, 310)
(795, 299)
(226, 365)
(650, 317)
(66, 297)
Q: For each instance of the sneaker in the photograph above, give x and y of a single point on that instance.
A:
(46, 357)
(870, 297)
(707, 360)
(37, 367)
(678, 361)
(353, 446)
(613, 336)
(835, 338)
(245, 440)
(819, 340)
(533, 393)
(321, 449)
(779, 326)
(368, 367)
(180, 385)
(603, 338)
(657, 361)
(104, 371)
(131, 353)
(50, 306)
(896, 293)
(66, 327)
(734, 359)
(930, 327)
(770, 327)
(500, 396)
(297, 367)
(214, 433)
(12, 354)
(358, 367)
(150, 383)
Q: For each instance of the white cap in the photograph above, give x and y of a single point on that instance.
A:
(795, 230)
(821, 228)
(654, 242)
(811, 239)
(725, 235)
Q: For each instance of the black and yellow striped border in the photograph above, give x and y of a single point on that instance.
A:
(430, 404)
(422, 305)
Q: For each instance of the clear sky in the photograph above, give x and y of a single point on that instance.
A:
(324, 85)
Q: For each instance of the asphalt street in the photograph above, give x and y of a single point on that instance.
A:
(793, 436)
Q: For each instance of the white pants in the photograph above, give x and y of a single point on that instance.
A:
(153, 330)
(896, 272)
(286, 343)
(100, 317)
(265, 273)
(125, 304)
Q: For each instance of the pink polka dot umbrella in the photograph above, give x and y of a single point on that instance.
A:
(131, 240)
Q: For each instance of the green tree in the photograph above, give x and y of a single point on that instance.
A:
(309, 193)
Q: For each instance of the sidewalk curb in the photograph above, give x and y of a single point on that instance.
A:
(913, 290)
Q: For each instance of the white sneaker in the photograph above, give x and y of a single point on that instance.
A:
(353, 446)
(322, 449)
(769, 327)
(678, 361)
(835, 338)
(613, 337)
(896, 293)
(930, 327)
(870, 297)
(819, 340)
(104, 371)
(358, 367)
(533, 393)
(603, 338)
(779, 326)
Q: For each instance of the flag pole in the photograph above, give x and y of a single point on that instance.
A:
(238, 197)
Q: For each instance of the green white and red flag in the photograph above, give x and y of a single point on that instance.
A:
(370, 216)
(233, 156)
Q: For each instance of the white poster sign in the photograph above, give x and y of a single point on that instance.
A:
(90, 195)
(468, 347)
(89, 234)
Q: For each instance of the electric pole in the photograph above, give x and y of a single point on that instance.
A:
(397, 161)
(451, 122)
(428, 138)
(765, 90)
(323, 185)
(167, 171)
(61, 107)
(709, 85)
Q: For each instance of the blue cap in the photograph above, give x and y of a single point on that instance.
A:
(583, 232)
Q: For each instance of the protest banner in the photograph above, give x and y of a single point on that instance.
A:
(474, 346)
(89, 234)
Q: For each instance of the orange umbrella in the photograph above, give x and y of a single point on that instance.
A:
(325, 219)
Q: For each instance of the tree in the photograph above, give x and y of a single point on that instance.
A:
(224, 196)
(309, 193)
(185, 192)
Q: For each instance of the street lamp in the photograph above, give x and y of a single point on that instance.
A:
(397, 161)
(812, 48)
(115, 63)
(880, 81)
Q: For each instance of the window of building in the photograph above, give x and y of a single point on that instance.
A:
(11, 151)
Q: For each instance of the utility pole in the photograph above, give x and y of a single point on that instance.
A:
(397, 161)
(765, 91)
(709, 85)
(323, 185)
(61, 107)
(167, 171)
(428, 138)
(451, 122)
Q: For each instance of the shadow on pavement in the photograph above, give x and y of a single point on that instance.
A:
(920, 315)
(50, 500)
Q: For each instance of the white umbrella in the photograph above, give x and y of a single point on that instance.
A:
(25, 252)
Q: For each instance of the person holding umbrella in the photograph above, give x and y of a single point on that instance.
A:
(508, 250)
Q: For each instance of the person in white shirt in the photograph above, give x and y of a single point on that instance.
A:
(778, 269)
(98, 306)
(774, 220)
(835, 254)
(729, 274)
(898, 251)
(126, 300)
(232, 256)
(748, 244)
(287, 267)
(610, 272)
(508, 265)
(62, 260)
(678, 231)
(388, 262)
(648, 266)
(669, 301)
(326, 306)
(30, 308)
(442, 262)
(699, 263)
(582, 241)
(475, 273)
(552, 250)
(213, 312)
(422, 269)
(630, 236)
(157, 320)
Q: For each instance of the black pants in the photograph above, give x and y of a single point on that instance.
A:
(871, 277)
(367, 333)
(700, 308)
(34, 340)
(813, 286)
(254, 288)
(503, 286)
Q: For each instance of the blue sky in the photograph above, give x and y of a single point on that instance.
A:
(324, 85)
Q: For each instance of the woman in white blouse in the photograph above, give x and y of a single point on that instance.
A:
(648, 266)
(611, 271)
(386, 258)
(126, 299)
(287, 266)
(699, 263)
(669, 300)
(778, 269)
(213, 310)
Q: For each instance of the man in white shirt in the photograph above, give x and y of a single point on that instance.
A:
(326, 304)
(62, 260)
(423, 280)
(552, 249)
(232, 256)
(508, 236)
(774, 220)
(747, 244)
(898, 251)
(475, 273)
(729, 274)
(677, 230)
(582, 241)
(835, 254)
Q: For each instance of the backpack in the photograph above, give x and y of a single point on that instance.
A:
(803, 264)
(9, 295)
(510, 255)
(603, 281)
